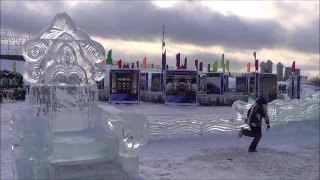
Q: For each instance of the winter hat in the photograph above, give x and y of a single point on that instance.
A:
(263, 95)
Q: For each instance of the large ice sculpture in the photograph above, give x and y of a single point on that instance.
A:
(64, 133)
(305, 110)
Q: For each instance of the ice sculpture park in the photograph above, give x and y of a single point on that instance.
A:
(64, 133)
(303, 111)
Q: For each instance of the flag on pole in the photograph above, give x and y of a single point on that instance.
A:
(248, 67)
(137, 63)
(119, 64)
(178, 60)
(196, 63)
(201, 66)
(208, 68)
(185, 63)
(255, 55)
(144, 62)
(257, 64)
(14, 67)
(227, 65)
(215, 66)
(109, 61)
(293, 67)
(222, 61)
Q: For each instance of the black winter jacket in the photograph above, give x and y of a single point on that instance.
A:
(257, 112)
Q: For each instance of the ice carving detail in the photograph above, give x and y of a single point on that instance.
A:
(63, 54)
(64, 133)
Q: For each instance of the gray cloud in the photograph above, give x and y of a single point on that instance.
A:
(185, 22)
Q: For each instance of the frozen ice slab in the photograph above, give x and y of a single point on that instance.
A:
(64, 134)
(283, 111)
(310, 94)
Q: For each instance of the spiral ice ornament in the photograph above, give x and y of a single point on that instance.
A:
(63, 54)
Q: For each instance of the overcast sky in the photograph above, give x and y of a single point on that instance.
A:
(276, 30)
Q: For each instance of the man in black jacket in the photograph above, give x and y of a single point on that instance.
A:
(254, 120)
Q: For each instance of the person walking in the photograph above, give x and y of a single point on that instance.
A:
(254, 120)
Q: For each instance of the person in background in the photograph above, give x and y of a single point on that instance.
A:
(280, 88)
(284, 88)
(254, 120)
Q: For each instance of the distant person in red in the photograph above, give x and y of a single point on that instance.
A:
(254, 120)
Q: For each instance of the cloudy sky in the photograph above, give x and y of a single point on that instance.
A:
(282, 31)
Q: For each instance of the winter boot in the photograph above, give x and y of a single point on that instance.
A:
(240, 134)
(252, 150)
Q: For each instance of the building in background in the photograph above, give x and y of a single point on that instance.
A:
(287, 72)
(263, 66)
(269, 66)
(297, 72)
(280, 70)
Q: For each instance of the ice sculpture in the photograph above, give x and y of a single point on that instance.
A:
(310, 94)
(64, 133)
(304, 110)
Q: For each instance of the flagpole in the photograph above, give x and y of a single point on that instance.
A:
(162, 46)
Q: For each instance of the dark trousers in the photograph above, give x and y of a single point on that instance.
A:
(256, 133)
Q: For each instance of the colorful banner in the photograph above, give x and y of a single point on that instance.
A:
(181, 87)
(144, 63)
(227, 65)
(241, 84)
(215, 66)
(268, 83)
(196, 63)
(109, 60)
(124, 85)
(214, 83)
(248, 67)
(144, 81)
(201, 66)
(178, 60)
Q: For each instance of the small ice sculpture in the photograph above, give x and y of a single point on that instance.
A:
(64, 133)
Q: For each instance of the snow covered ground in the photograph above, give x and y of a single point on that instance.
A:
(287, 154)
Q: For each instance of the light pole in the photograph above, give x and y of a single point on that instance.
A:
(163, 44)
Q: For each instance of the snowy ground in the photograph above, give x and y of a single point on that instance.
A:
(287, 154)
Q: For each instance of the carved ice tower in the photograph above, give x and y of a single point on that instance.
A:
(64, 133)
